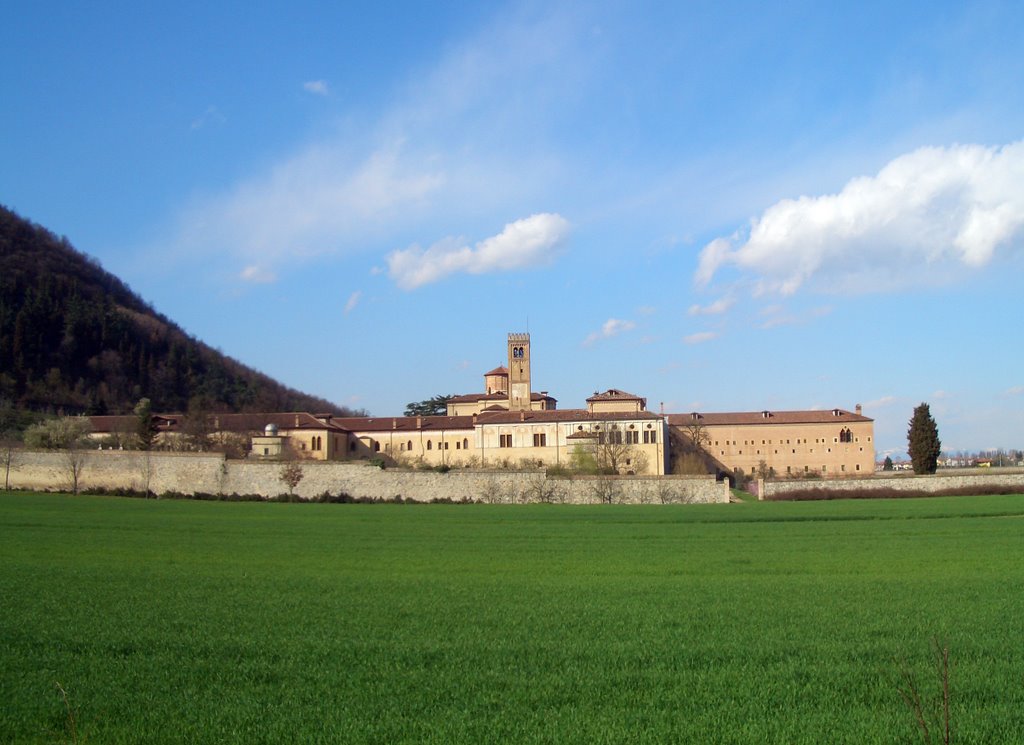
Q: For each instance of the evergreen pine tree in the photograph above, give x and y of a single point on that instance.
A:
(145, 427)
(923, 443)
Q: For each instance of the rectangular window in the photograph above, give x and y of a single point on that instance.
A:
(632, 437)
(540, 440)
(505, 441)
(651, 437)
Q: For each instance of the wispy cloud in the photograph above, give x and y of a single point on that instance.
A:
(257, 275)
(211, 116)
(610, 328)
(777, 315)
(311, 204)
(880, 403)
(317, 87)
(716, 308)
(700, 337)
(529, 242)
(450, 146)
(924, 215)
(1017, 390)
(353, 301)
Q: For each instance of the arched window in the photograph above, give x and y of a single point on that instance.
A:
(376, 446)
(408, 445)
(430, 444)
(465, 443)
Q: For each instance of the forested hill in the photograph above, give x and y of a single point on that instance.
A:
(75, 338)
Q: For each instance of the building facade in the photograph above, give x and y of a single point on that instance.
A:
(510, 425)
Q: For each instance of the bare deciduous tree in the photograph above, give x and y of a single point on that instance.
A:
(542, 490)
(606, 490)
(8, 456)
(75, 460)
(291, 475)
(69, 434)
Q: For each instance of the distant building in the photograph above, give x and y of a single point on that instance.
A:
(508, 424)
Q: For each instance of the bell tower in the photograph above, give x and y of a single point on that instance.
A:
(518, 372)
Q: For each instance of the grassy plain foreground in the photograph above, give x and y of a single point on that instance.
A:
(175, 621)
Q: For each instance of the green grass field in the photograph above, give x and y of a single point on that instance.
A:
(170, 621)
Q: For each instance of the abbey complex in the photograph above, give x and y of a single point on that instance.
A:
(508, 424)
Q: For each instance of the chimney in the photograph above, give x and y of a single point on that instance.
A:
(296, 420)
(857, 409)
(474, 419)
(522, 416)
(394, 424)
(419, 422)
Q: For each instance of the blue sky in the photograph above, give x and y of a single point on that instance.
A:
(720, 206)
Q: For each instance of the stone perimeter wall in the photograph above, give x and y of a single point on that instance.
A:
(211, 473)
(938, 482)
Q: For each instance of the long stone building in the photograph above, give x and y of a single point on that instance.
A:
(508, 424)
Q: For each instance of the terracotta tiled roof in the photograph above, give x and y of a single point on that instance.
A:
(563, 415)
(498, 371)
(221, 422)
(404, 423)
(827, 416)
(469, 398)
(128, 422)
(614, 394)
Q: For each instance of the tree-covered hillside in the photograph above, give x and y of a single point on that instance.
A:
(73, 337)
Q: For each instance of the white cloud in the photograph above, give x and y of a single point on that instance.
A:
(610, 328)
(317, 87)
(700, 337)
(257, 275)
(353, 301)
(716, 308)
(923, 216)
(524, 243)
(1016, 390)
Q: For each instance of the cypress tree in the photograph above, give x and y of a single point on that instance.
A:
(923, 443)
